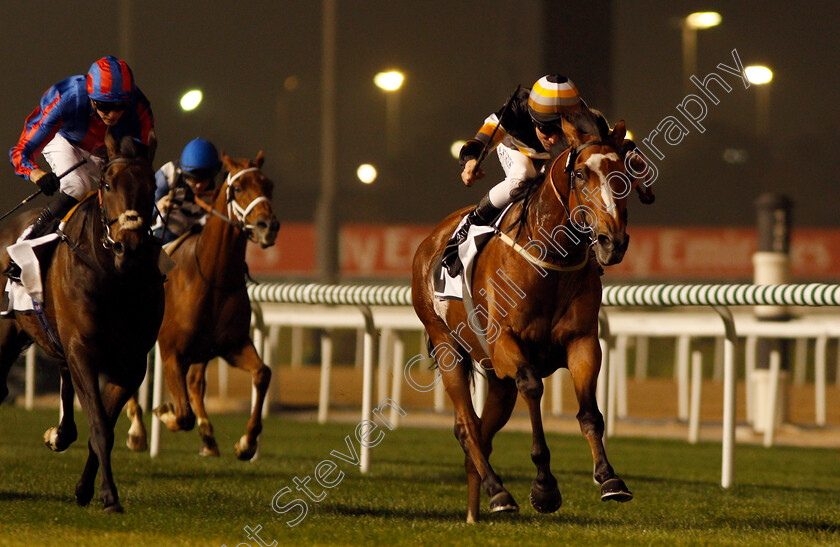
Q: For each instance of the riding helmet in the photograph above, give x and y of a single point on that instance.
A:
(110, 80)
(200, 158)
(551, 97)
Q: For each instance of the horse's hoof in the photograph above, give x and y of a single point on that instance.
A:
(503, 502)
(209, 450)
(50, 438)
(243, 450)
(614, 489)
(137, 443)
(84, 494)
(113, 508)
(166, 414)
(56, 442)
(546, 501)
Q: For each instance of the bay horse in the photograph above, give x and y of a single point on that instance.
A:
(533, 316)
(208, 311)
(103, 298)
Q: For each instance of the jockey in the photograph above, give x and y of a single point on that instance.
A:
(527, 136)
(70, 124)
(178, 184)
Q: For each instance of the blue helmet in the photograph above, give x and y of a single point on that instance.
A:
(200, 159)
(110, 80)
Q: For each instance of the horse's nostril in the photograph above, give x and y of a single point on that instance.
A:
(262, 225)
(119, 248)
(604, 241)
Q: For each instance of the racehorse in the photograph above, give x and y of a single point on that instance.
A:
(103, 301)
(208, 311)
(533, 315)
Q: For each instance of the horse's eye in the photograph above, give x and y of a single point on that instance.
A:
(237, 189)
(579, 175)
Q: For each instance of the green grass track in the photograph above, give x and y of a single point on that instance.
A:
(415, 493)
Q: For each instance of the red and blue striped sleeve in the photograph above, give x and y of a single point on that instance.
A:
(39, 129)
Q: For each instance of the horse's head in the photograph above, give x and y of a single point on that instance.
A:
(126, 199)
(597, 184)
(247, 193)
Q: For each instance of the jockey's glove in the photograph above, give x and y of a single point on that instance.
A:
(48, 183)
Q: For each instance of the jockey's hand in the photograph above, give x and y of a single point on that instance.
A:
(47, 182)
(164, 204)
(468, 176)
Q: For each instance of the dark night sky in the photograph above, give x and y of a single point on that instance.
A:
(461, 60)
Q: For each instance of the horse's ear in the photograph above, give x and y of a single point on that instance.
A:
(572, 134)
(150, 152)
(260, 159)
(619, 132)
(228, 163)
(111, 145)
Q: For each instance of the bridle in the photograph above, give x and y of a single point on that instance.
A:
(128, 220)
(236, 214)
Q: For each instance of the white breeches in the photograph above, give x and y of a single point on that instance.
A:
(517, 166)
(61, 154)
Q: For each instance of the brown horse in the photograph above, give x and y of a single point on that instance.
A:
(103, 297)
(208, 311)
(532, 316)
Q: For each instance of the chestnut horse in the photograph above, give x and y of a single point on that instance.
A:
(208, 312)
(103, 298)
(533, 316)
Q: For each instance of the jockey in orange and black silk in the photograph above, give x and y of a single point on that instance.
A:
(529, 134)
(70, 124)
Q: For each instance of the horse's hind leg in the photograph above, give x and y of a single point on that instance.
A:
(12, 342)
(584, 361)
(545, 495)
(456, 370)
(197, 387)
(501, 398)
(137, 439)
(60, 438)
(247, 359)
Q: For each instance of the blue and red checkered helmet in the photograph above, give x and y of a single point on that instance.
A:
(110, 80)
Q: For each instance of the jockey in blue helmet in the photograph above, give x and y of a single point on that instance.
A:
(178, 185)
(69, 125)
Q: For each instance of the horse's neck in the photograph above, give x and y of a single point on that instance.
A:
(222, 245)
(549, 223)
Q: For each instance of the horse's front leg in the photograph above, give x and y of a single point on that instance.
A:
(545, 495)
(180, 416)
(60, 438)
(584, 361)
(85, 376)
(197, 387)
(246, 358)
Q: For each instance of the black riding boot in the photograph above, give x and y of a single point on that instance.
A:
(46, 223)
(480, 216)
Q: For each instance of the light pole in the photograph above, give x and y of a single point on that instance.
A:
(761, 76)
(325, 214)
(690, 25)
(390, 82)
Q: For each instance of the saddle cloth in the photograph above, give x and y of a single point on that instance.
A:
(452, 288)
(24, 253)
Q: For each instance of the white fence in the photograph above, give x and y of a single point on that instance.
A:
(388, 308)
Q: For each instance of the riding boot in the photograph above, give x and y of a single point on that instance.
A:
(484, 212)
(46, 223)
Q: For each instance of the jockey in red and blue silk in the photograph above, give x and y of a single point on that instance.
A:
(70, 124)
